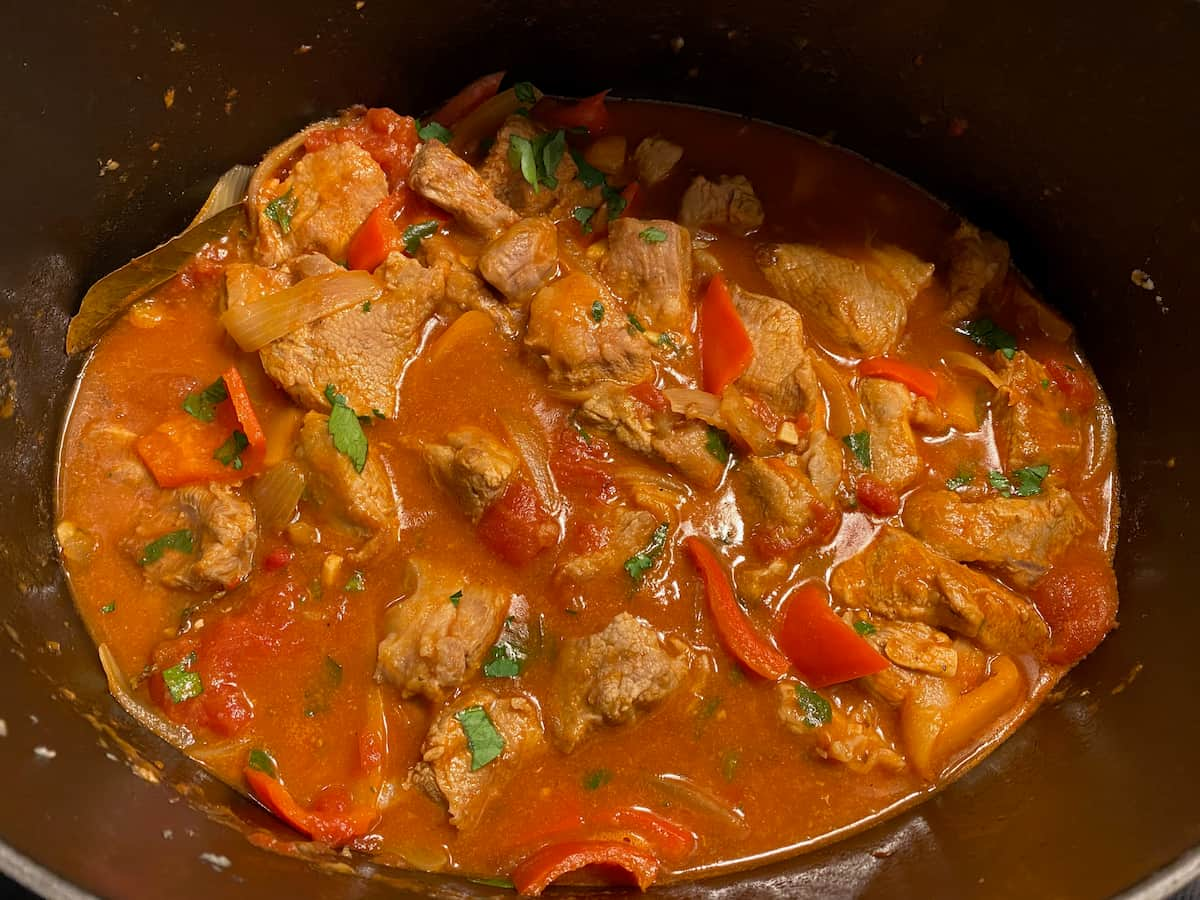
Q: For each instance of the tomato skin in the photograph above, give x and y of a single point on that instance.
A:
(1078, 599)
(515, 527)
(876, 496)
(648, 394)
(1074, 384)
(579, 465)
(277, 558)
(822, 647)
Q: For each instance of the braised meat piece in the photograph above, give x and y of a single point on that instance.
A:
(222, 532)
(446, 180)
(521, 260)
(473, 467)
(364, 499)
(649, 265)
(727, 203)
(654, 159)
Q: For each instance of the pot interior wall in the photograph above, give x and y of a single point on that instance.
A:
(1067, 128)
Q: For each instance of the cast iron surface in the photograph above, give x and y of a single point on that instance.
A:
(1068, 128)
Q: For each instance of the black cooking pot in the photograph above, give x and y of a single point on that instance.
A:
(1072, 129)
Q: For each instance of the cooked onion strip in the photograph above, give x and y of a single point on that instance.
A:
(844, 411)
(684, 790)
(655, 492)
(276, 493)
(956, 359)
(531, 445)
(254, 325)
(695, 404)
(486, 119)
(229, 190)
(176, 735)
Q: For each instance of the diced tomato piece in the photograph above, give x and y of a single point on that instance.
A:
(725, 348)
(589, 113)
(824, 649)
(277, 558)
(391, 140)
(581, 466)
(918, 380)
(1078, 600)
(376, 237)
(516, 527)
(876, 496)
(627, 863)
(648, 393)
(1075, 385)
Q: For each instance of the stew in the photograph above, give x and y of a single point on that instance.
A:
(597, 490)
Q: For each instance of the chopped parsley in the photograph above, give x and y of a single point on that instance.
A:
(814, 709)
(597, 311)
(717, 444)
(863, 627)
(988, 334)
(456, 598)
(179, 541)
(417, 232)
(665, 340)
(504, 660)
(613, 199)
(638, 565)
(378, 413)
(346, 430)
(230, 452)
(960, 480)
(589, 176)
(579, 429)
(366, 307)
(202, 405)
(860, 445)
(494, 882)
(356, 583)
(484, 741)
(652, 235)
(537, 159)
(1026, 482)
(281, 209)
(525, 92)
(597, 778)
(434, 131)
(583, 215)
(636, 324)
(1000, 482)
(263, 761)
(109, 607)
(182, 683)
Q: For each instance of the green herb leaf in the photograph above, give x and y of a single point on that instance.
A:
(863, 627)
(1029, 480)
(109, 607)
(579, 429)
(281, 209)
(417, 232)
(635, 324)
(182, 683)
(179, 541)
(814, 709)
(263, 761)
(504, 660)
(482, 738)
(596, 779)
(860, 445)
(597, 311)
(366, 307)
(202, 405)
(729, 764)
(613, 200)
(552, 150)
(230, 452)
(494, 882)
(434, 131)
(379, 414)
(709, 708)
(1000, 482)
(988, 334)
(525, 93)
(652, 235)
(521, 156)
(665, 340)
(717, 444)
(588, 175)
(346, 430)
(638, 565)
(583, 215)
(333, 671)
(456, 598)
(356, 583)
(960, 480)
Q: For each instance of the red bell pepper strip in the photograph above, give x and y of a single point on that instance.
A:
(468, 99)
(725, 348)
(734, 629)
(673, 841)
(376, 237)
(538, 871)
(918, 380)
(589, 113)
(876, 496)
(336, 828)
(632, 195)
(824, 649)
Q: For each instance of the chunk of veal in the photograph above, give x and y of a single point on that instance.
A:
(583, 335)
(362, 351)
(446, 771)
(898, 577)
(851, 737)
(473, 467)
(652, 276)
(609, 676)
(975, 266)
(465, 290)
(509, 185)
(888, 407)
(330, 193)
(1019, 536)
(223, 538)
(781, 371)
(1032, 421)
(861, 304)
(364, 499)
(788, 510)
(448, 181)
(629, 533)
(522, 259)
(437, 636)
(654, 159)
(728, 203)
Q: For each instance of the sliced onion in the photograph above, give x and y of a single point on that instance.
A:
(229, 190)
(176, 735)
(655, 492)
(274, 160)
(695, 404)
(684, 790)
(276, 493)
(956, 359)
(486, 119)
(254, 325)
(744, 425)
(531, 444)
(845, 412)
